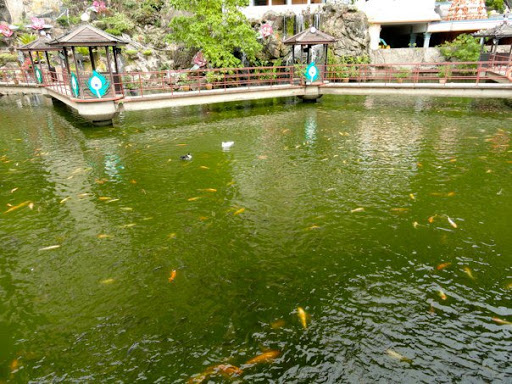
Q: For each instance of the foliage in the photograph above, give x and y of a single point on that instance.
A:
(26, 38)
(84, 51)
(217, 27)
(497, 5)
(403, 73)
(131, 53)
(148, 12)
(147, 52)
(463, 48)
(64, 21)
(114, 31)
(119, 21)
(7, 58)
(445, 71)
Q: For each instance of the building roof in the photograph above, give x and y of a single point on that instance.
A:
(501, 31)
(310, 36)
(467, 10)
(40, 44)
(87, 36)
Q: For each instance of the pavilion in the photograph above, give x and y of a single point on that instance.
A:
(306, 40)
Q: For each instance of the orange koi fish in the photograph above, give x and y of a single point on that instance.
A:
(302, 317)
(396, 355)
(442, 295)
(443, 266)
(277, 324)
(172, 275)
(265, 357)
(499, 321)
(21, 205)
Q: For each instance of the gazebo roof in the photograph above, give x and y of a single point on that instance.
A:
(87, 36)
(500, 32)
(310, 36)
(41, 44)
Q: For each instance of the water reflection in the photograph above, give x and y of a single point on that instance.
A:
(253, 233)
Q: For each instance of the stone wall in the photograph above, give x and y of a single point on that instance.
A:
(406, 55)
(13, 11)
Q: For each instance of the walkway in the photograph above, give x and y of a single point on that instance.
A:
(163, 89)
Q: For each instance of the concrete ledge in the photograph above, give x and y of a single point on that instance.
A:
(181, 99)
(12, 89)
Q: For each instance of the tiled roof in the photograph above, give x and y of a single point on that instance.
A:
(86, 35)
(501, 31)
(467, 10)
(310, 36)
(40, 44)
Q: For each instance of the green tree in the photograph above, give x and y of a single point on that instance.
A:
(217, 27)
(463, 48)
(497, 5)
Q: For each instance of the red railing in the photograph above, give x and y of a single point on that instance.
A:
(192, 82)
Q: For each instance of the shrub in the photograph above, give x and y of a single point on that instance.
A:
(7, 58)
(114, 31)
(26, 38)
(463, 48)
(120, 22)
(147, 52)
(131, 53)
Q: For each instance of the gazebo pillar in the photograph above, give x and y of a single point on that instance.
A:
(91, 56)
(109, 65)
(77, 73)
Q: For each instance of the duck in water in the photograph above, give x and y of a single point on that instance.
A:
(188, 156)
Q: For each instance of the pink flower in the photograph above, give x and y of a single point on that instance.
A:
(266, 30)
(37, 23)
(6, 31)
(99, 6)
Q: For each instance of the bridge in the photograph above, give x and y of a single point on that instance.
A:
(135, 91)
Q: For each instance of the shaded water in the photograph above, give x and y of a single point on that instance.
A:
(254, 233)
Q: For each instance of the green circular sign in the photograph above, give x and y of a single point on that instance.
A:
(75, 86)
(39, 75)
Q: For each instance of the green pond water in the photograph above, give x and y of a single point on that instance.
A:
(346, 208)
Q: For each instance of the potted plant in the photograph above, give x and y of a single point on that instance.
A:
(344, 73)
(185, 82)
(130, 85)
(211, 77)
(402, 74)
(444, 74)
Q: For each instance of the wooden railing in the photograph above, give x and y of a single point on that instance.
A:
(188, 82)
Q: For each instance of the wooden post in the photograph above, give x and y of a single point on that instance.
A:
(77, 73)
(91, 56)
(115, 60)
(66, 60)
(112, 83)
(33, 66)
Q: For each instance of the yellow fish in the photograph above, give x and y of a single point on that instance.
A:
(450, 194)
(133, 181)
(263, 157)
(313, 227)
(415, 224)
(14, 190)
(128, 225)
(508, 286)
(126, 209)
(411, 195)
(431, 219)
(208, 190)
(107, 281)
(83, 195)
(442, 295)
(360, 209)
(49, 248)
(194, 198)
(31, 205)
(64, 200)
(172, 235)
(265, 357)
(241, 210)
(14, 365)
(102, 198)
(397, 356)
(204, 167)
(302, 317)
(104, 236)
(452, 223)
(21, 205)
(399, 209)
(443, 266)
(112, 200)
(468, 272)
(172, 276)
(277, 324)
(501, 321)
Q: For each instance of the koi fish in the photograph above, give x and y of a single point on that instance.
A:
(133, 181)
(442, 295)
(313, 227)
(49, 248)
(208, 190)
(396, 355)
(172, 275)
(415, 224)
(64, 200)
(112, 201)
(107, 281)
(499, 321)
(452, 223)
(21, 205)
(128, 225)
(31, 206)
(104, 236)
(450, 194)
(443, 266)
(277, 324)
(263, 157)
(126, 209)
(83, 195)
(103, 198)
(302, 317)
(14, 365)
(431, 219)
(360, 209)
(399, 209)
(14, 190)
(172, 235)
(508, 286)
(468, 272)
(241, 210)
(265, 357)
(194, 198)
(411, 195)
(181, 145)
(226, 370)
(204, 167)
